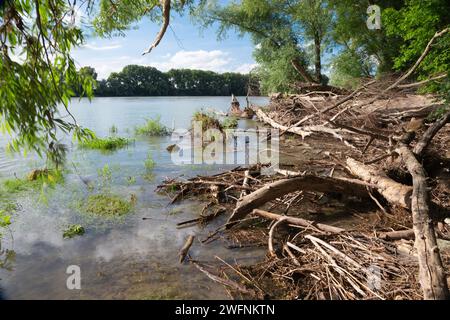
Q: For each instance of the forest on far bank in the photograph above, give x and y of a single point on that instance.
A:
(136, 80)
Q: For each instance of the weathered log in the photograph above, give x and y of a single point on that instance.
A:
(185, 249)
(432, 276)
(284, 186)
(297, 221)
(430, 133)
(394, 192)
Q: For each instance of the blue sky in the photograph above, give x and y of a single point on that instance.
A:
(183, 46)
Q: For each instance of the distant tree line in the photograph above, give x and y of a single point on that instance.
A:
(135, 80)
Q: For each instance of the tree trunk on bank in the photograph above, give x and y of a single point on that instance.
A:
(318, 62)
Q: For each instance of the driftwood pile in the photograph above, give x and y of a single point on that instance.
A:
(384, 155)
(381, 164)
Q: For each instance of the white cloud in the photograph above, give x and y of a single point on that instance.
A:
(93, 46)
(246, 67)
(215, 60)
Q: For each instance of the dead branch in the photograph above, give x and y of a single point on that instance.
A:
(185, 249)
(271, 232)
(304, 131)
(420, 83)
(298, 221)
(429, 135)
(419, 61)
(334, 106)
(226, 282)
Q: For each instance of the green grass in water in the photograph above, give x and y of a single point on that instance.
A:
(149, 163)
(73, 230)
(107, 205)
(229, 123)
(35, 180)
(105, 144)
(152, 127)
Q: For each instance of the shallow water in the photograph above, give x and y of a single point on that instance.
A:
(127, 258)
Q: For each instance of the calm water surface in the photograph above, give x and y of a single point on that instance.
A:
(130, 258)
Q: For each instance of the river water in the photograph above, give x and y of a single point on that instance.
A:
(127, 258)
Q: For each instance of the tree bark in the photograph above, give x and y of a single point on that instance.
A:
(318, 61)
(432, 276)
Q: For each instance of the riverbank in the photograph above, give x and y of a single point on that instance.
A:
(338, 219)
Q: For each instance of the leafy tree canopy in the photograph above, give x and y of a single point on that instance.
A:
(38, 73)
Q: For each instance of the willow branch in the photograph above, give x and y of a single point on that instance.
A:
(166, 21)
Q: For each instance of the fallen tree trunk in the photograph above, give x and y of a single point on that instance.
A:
(284, 186)
(297, 221)
(432, 276)
(394, 192)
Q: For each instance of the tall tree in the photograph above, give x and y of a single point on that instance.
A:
(314, 18)
(275, 33)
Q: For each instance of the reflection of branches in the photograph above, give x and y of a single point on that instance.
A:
(7, 262)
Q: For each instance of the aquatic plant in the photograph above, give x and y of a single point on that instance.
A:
(105, 144)
(131, 180)
(149, 176)
(229, 123)
(152, 127)
(149, 163)
(73, 230)
(107, 205)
